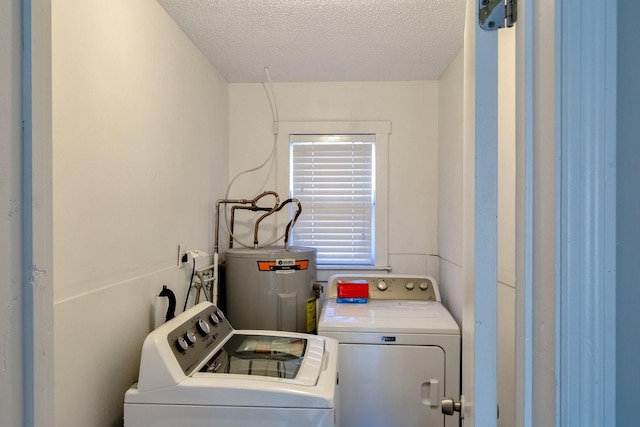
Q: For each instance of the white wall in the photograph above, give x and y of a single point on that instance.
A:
(450, 184)
(412, 108)
(140, 131)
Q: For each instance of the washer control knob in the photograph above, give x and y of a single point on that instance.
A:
(203, 327)
(181, 345)
(214, 319)
(220, 314)
(190, 337)
(410, 286)
(382, 285)
(424, 286)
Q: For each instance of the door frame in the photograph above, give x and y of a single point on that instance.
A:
(480, 240)
(37, 215)
(586, 57)
(567, 200)
(585, 39)
(566, 220)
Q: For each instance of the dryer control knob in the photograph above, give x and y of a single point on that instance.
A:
(382, 285)
(410, 286)
(424, 286)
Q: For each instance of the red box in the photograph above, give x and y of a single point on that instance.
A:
(353, 289)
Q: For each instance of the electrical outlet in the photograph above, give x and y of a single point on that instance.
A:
(181, 253)
(194, 255)
(184, 256)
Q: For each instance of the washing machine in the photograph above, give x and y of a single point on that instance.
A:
(398, 353)
(196, 370)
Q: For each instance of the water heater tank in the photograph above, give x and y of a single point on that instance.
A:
(271, 288)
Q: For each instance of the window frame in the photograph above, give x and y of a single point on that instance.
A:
(353, 210)
(382, 130)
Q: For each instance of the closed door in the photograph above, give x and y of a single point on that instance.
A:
(391, 385)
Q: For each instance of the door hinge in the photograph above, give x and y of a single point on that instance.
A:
(495, 14)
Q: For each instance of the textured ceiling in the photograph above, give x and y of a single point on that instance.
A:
(324, 40)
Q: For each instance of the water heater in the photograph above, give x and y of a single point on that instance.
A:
(271, 288)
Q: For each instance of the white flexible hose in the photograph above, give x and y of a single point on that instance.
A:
(274, 113)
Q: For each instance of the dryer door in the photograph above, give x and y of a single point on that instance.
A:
(391, 385)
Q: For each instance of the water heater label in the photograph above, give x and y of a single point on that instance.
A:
(286, 264)
(311, 315)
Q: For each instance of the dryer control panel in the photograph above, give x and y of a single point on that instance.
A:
(391, 286)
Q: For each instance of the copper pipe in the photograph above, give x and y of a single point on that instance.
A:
(293, 220)
(233, 213)
(252, 202)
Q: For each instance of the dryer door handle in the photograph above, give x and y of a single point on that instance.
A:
(433, 387)
(434, 392)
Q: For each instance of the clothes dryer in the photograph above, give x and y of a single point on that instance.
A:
(399, 352)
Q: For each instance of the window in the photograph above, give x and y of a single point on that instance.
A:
(377, 134)
(333, 176)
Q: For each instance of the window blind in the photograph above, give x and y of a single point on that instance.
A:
(333, 176)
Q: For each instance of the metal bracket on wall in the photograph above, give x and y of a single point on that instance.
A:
(495, 14)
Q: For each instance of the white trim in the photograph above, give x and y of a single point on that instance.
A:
(480, 244)
(11, 242)
(585, 329)
(38, 215)
(330, 208)
(486, 228)
(524, 214)
(382, 130)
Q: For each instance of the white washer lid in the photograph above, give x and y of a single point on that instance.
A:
(416, 317)
(231, 390)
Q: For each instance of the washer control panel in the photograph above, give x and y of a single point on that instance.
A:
(391, 286)
(194, 340)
